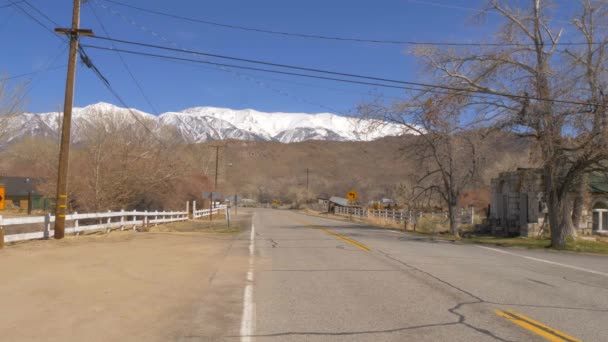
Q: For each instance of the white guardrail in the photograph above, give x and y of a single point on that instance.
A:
(401, 215)
(107, 220)
(394, 215)
(198, 213)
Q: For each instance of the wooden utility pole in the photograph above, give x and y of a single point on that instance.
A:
(217, 152)
(307, 185)
(236, 205)
(307, 172)
(64, 148)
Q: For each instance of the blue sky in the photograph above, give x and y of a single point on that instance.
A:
(173, 86)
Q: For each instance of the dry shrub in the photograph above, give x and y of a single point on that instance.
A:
(432, 224)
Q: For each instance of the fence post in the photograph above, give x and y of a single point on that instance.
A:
(155, 217)
(122, 219)
(47, 225)
(472, 215)
(187, 207)
(1, 234)
(193, 209)
(134, 219)
(145, 219)
(76, 232)
(108, 221)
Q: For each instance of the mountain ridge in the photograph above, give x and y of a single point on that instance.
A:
(201, 124)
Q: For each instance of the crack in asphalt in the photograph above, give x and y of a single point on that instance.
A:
(453, 310)
(582, 283)
(479, 300)
(347, 333)
(540, 282)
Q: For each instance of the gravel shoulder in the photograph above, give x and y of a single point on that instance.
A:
(117, 286)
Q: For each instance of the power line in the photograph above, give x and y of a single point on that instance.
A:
(237, 74)
(41, 13)
(245, 67)
(85, 58)
(11, 3)
(35, 72)
(133, 78)
(343, 74)
(36, 20)
(124, 63)
(322, 37)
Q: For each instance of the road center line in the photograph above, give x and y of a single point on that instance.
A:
(547, 261)
(348, 240)
(538, 328)
(247, 316)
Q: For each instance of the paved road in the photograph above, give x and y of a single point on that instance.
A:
(314, 279)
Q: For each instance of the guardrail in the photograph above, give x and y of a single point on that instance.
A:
(106, 220)
(394, 215)
(399, 216)
(197, 213)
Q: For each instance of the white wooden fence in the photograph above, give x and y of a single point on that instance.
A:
(104, 221)
(400, 216)
(197, 213)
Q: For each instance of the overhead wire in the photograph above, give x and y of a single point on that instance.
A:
(132, 75)
(322, 71)
(35, 72)
(246, 67)
(88, 62)
(232, 72)
(327, 37)
(11, 3)
(36, 20)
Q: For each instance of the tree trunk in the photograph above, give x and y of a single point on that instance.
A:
(577, 206)
(453, 220)
(560, 219)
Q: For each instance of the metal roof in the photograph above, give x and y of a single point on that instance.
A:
(18, 186)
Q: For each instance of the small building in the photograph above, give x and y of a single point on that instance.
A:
(18, 190)
(335, 201)
(518, 205)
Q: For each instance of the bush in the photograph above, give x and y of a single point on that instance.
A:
(432, 224)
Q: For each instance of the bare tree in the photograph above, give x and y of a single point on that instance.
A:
(11, 104)
(529, 90)
(448, 158)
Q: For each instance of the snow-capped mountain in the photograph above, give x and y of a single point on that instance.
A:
(201, 124)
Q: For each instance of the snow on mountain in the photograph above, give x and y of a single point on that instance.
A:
(201, 124)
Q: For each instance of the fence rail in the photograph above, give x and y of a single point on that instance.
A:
(197, 213)
(400, 216)
(105, 220)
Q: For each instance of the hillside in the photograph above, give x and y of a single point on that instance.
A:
(373, 168)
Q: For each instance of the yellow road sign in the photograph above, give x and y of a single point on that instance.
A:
(352, 195)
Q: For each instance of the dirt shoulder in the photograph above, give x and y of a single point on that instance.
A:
(112, 287)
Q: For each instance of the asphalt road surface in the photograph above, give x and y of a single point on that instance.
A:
(315, 279)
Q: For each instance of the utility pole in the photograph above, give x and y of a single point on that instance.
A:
(217, 152)
(307, 183)
(64, 148)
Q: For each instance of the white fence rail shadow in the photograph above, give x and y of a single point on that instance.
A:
(104, 221)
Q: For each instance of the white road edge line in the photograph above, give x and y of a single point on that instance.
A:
(247, 317)
(547, 261)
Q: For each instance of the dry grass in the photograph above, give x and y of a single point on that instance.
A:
(218, 225)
